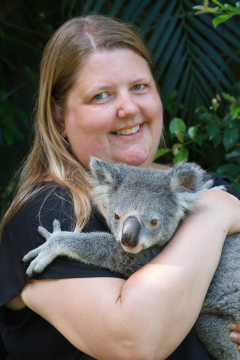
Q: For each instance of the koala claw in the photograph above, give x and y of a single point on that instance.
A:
(44, 254)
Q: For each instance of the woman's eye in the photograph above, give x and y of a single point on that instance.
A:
(138, 87)
(100, 96)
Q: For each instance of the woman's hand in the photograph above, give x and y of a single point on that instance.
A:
(221, 205)
(235, 333)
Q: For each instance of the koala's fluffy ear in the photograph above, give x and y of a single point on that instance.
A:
(189, 177)
(187, 180)
(106, 180)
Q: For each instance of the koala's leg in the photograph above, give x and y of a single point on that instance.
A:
(96, 248)
(212, 331)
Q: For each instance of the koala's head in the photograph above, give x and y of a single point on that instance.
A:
(144, 207)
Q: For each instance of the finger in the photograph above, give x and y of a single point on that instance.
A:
(235, 336)
(235, 327)
(56, 226)
(44, 232)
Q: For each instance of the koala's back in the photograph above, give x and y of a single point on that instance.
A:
(222, 304)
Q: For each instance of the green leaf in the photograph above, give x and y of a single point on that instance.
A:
(176, 124)
(218, 3)
(176, 147)
(234, 123)
(212, 129)
(179, 135)
(199, 139)
(229, 98)
(233, 155)
(217, 140)
(230, 137)
(235, 111)
(220, 19)
(181, 156)
(192, 131)
(160, 153)
(232, 8)
(229, 170)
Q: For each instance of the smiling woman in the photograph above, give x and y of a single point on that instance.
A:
(97, 97)
(121, 123)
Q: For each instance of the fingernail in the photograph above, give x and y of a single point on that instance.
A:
(233, 336)
(232, 326)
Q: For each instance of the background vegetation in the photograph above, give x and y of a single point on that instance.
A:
(197, 69)
(194, 63)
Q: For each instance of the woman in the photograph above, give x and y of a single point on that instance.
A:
(97, 97)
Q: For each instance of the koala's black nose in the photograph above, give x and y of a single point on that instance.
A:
(130, 232)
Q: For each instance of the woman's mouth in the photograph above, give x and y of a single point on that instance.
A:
(129, 131)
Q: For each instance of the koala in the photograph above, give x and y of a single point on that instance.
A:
(143, 209)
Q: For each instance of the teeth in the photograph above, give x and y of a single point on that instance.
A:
(129, 131)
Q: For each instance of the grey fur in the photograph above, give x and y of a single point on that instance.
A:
(143, 195)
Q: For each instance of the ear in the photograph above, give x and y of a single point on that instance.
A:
(106, 179)
(189, 177)
(187, 180)
(59, 122)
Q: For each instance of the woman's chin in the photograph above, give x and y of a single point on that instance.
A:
(140, 158)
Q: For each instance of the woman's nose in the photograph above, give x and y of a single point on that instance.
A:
(127, 107)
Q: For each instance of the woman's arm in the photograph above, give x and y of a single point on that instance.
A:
(148, 315)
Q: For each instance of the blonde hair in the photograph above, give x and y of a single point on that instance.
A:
(51, 157)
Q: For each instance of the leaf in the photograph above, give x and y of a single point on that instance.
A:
(217, 140)
(160, 153)
(218, 3)
(229, 98)
(181, 156)
(200, 138)
(230, 137)
(213, 130)
(235, 111)
(192, 131)
(176, 124)
(176, 147)
(232, 8)
(179, 135)
(233, 155)
(220, 19)
(229, 170)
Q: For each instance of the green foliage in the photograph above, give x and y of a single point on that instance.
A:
(193, 62)
(224, 11)
(215, 138)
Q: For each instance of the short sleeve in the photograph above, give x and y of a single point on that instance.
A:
(21, 235)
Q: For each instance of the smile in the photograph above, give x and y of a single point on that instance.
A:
(128, 131)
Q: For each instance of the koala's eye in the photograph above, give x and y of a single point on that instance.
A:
(153, 222)
(116, 217)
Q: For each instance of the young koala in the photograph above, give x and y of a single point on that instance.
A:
(143, 209)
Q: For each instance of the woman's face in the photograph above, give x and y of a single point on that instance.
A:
(114, 112)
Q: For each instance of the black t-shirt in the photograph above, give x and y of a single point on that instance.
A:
(25, 334)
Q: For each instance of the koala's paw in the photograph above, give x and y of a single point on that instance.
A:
(44, 254)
